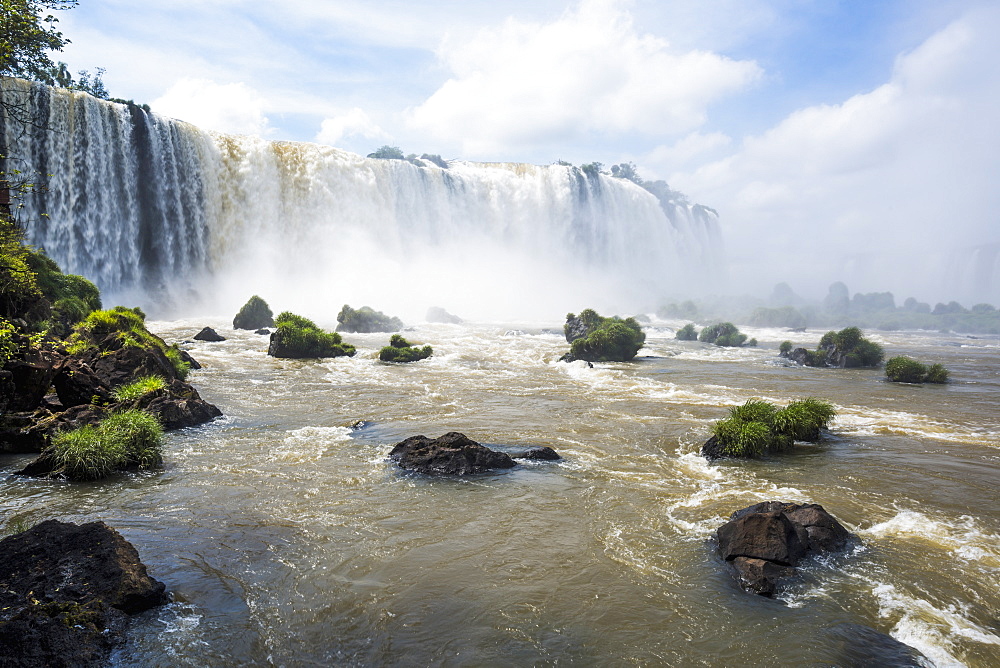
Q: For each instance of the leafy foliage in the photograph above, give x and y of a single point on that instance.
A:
(687, 333)
(27, 34)
(255, 314)
(366, 320)
(785, 347)
(401, 350)
(436, 159)
(902, 369)
(122, 440)
(606, 339)
(627, 171)
(723, 334)
(388, 153)
(758, 426)
(300, 337)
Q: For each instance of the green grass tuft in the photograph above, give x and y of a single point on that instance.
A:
(128, 438)
(759, 426)
(139, 387)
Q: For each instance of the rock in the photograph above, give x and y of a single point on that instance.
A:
(177, 406)
(575, 328)
(760, 576)
(208, 334)
(191, 362)
(540, 452)
(31, 376)
(765, 541)
(770, 536)
(860, 646)
(451, 454)
(366, 320)
(130, 363)
(438, 314)
(800, 356)
(66, 591)
(263, 331)
(712, 449)
(77, 384)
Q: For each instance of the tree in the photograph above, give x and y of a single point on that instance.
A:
(26, 37)
(627, 171)
(388, 153)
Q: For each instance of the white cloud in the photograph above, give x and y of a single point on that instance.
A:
(351, 123)
(888, 182)
(234, 108)
(589, 71)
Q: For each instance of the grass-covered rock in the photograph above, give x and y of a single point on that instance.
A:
(599, 339)
(687, 333)
(758, 427)
(366, 320)
(902, 369)
(255, 314)
(298, 337)
(725, 334)
(124, 440)
(401, 350)
(846, 349)
(118, 337)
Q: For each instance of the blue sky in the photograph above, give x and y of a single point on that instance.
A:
(873, 121)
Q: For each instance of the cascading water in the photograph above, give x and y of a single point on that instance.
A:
(152, 209)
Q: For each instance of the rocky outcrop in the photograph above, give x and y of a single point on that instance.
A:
(66, 592)
(255, 314)
(438, 314)
(765, 542)
(451, 454)
(208, 334)
(176, 406)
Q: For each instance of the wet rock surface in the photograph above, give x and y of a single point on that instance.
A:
(66, 592)
(764, 542)
(451, 454)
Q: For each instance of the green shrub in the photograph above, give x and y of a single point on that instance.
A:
(902, 369)
(366, 320)
(388, 153)
(401, 350)
(785, 347)
(936, 374)
(723, 334)
(138, 388)
(687, 333)
(606, 339)
(758, 426)
(849, 345)
(255, 314)
(299, 337)
(8, 341)
(122, 440)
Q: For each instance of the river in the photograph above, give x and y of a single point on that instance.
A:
(287, 539)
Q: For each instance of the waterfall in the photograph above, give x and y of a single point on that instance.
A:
(162, 213)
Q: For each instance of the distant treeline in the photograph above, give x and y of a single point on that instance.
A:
(873, 310)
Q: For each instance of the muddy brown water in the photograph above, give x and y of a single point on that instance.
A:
(287, 539)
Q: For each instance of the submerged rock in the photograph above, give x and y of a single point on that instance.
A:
(451, 454)
(543, 453)
(764, 542)
(208, 334)
(66, 591)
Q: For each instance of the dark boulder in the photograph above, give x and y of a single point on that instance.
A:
(765, 541)
(130, 363)
(77, 384)
(264, 331)
(31, 377)
(66, 591)
(543, 453)
(451, 454)
(208, 334)
(177, 406)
